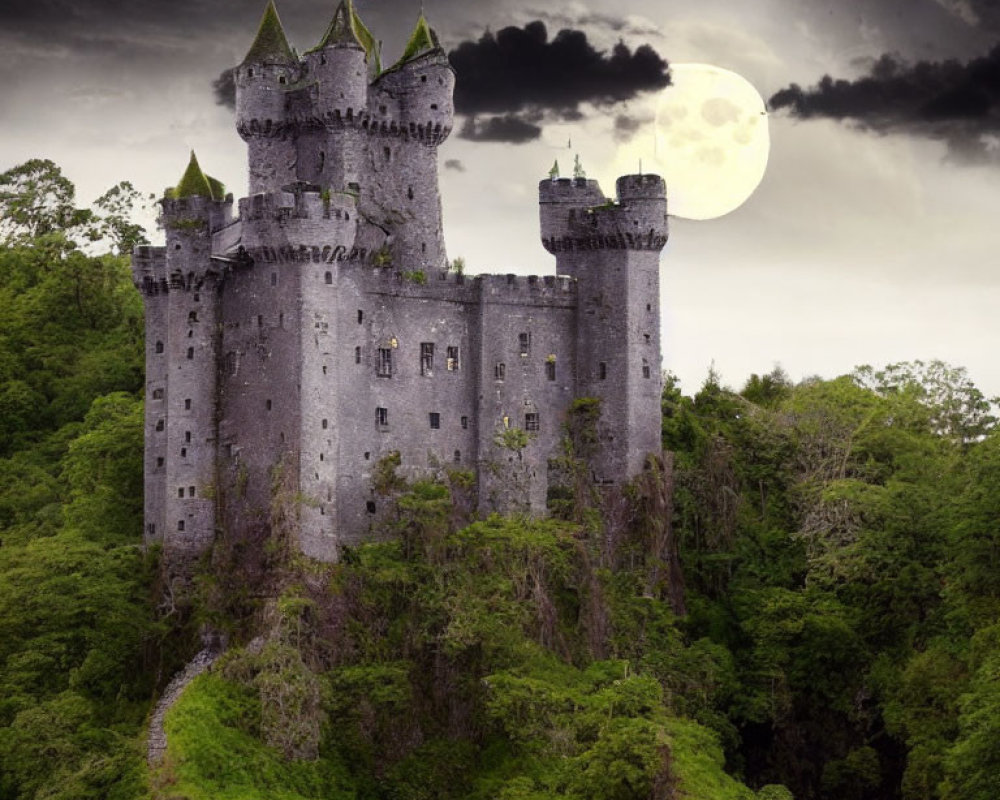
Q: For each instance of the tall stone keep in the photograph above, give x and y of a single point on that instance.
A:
(293, 346)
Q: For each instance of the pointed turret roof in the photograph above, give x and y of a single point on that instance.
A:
(195, 183)
(346, 27)
(270, 45)
(421, 40)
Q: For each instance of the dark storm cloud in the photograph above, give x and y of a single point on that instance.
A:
(224, 88)
(956, 102)
(524, 78)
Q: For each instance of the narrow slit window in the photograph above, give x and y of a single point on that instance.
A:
(159, 424)
(524, 343)
(274, 278)
(357, 354)
(602, 370)
(550, 369)
(385, 362)
(180, 524)
(500, 371)
(465, 423)
(426, 358)
(159, 347)
(187, 437)
(361, 316)
(381, 416)
(645, 368)
(267, 404)
(187, 404)
(435, 420)
(190, 353)
(325, 424)
(531, 422)
(184, 452)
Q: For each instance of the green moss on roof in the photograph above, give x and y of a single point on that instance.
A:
(346, 27)
(195, 183)
(421, 40)
(270, 45)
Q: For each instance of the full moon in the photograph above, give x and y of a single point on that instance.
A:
(709, 141)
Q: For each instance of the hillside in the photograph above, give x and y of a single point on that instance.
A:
(801, 602)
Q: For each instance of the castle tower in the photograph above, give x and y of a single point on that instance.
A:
(334, 106)
(613, 251)
(180, 284)
(411, 114)
(269, 68)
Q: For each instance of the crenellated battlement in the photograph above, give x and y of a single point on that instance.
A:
(637, 221)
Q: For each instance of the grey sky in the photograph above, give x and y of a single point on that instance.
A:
(858, 246)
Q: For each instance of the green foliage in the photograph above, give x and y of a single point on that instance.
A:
(214, 753)
(417, 276)
(77, 629)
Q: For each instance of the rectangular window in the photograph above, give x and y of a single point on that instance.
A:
(384, 362)
(361, 316)
(550, 369)
(452, 359)
(645, 368)
(524, 343)
(465, 423)
(426, 358)
(180, 491)
(381, 417)
(531, 422)
(187, 436)
(435, 420)
(500, 371)
(159, 461)
(602, 371)
(180, 524)
(357, 355)
(187, 404)
(190, 491)
(157, 394)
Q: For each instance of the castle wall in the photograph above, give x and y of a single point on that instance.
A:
(526, 324)
(396, 334)
(150, 271)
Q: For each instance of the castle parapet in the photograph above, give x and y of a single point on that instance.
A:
(571, 220)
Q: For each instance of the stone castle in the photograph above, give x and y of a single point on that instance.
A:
(291, 347)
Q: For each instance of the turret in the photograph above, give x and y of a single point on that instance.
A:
(269, 68)
(183, 421)
(613, 251)
(331, 144)
(424, 82)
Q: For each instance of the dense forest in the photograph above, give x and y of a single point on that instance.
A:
(802, 600)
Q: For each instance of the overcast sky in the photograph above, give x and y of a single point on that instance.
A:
(872, 238)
